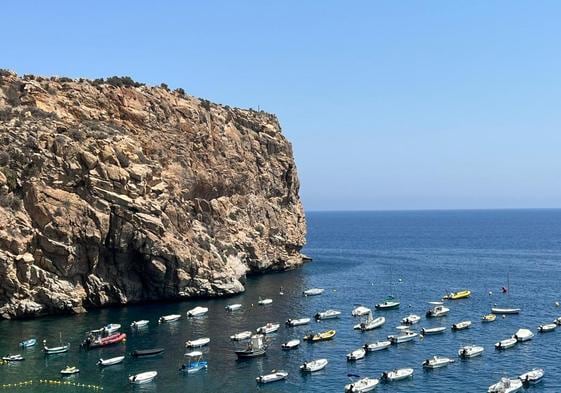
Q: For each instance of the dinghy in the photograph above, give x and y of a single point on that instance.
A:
(255, 347)
(297, 322)
(532, 377)
(144, 377)
(290, 344)
(12, 358)
(357, 354)
(200, 342)
(506, 343)
(69, 370)
(233, 307)
(55, 350)
(197, 311)
(437, 362)
(371, 323)
(504, 311)
(463, 294)
(411, 319)
(360, 311)
(144, 353)
(397, 375)
(548, 327)
(439, 310)
(194, 362)
(323, 336)
(405, 335)
(377, 346)
(28, 343)
(268, 328)
(313, 365)
(433, 330)
(241, 336)
(264, 302)
(488, 318)
(110, 362)
(313, 292)
(93, 341)
(361, 385)
(470, 351)
(522, 335)
(273, 377)
(505, 385)
(169, 318)
(140, 324)
(111, 328)
(389, 303)
(328, 314)
(461, 325)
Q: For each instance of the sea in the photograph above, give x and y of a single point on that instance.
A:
(358, 258)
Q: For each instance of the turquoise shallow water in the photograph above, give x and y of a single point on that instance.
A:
(429, 253)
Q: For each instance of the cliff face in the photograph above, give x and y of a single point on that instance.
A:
(111, 195)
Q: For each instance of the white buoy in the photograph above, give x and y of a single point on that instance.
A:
(556, 304)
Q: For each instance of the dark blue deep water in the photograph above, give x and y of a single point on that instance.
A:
(359, 257)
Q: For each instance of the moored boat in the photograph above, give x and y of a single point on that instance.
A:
(505, 385)
(140, 324)
(532, 377)
(371, 323)
(522, 335)
(28, 343)
(169, 318)
(438, 310)
(233, 307)
(357, 354)
(12, 358)
(437, 362)
(323, 336)
(143, 353)
(55, 350)
(548, 327)
(144, 377)
(360, 311)
(93, 341)
(411, 319)
(405, 335)
(389, 303)
(255, 347)
(274, 376)
(313, 292)
(69, 370)
(194, 362)
(291, 344)
(397, 374)
(465, 293)
(433, 330)
(245, 335)
(377, 346)
(268, 328)
(297, 322)
(361, 385)
(470, 351)
(328, 314)
(264, 302)
(506, 343)
(197, 311)
(505, 310)
(461, 325)
(111, 328)
(488, 318)
(110, 362)
(199, 342)
(313, 365)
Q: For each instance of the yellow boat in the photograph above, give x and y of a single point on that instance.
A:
(327, 335)
(458, 295)
(488, 318)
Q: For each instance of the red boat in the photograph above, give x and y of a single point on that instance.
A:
(104, 341)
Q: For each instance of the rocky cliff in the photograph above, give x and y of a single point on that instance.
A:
(112, 192)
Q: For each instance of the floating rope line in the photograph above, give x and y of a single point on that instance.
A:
(24, 384)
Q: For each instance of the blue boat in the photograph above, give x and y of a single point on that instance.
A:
(28, 343)
(194, 363)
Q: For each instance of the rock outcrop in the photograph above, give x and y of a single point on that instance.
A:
(113, 194)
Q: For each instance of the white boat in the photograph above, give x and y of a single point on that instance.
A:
(69, 370)
(313, 365)
(362, 385)
(461, 325)
(398, 374)
(199, 342)
(55, 350)
(505, 385)
(532, 377)
(273, 377)
(291, 344)
(313, 291)
(357, 354)
(470, 351)
(297, 322)
(411, 319)
(246, 335)
(522, 335)
(111, 328)
(328, 314)
(439, 310)
(140, 324)
(360, 311)
(144, 377)
(169, 318)
(197, 311)
(264, 302)
(557, 321)
(12, 358)
(268, 328)
(371, 323)
(503, 311)
(437, 362)
(405, 335)
(548, 327)
(433, 330)
(506, 343)
(111, 361)
(390, 303)
(233, 307)
(377, 346)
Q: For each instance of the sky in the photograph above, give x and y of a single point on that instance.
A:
(389, 105)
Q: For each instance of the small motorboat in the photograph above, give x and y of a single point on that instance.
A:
(255, 347)
(323, 336)
(328, 314)
(361, 385)
(140, 324)
(371, 323)
(463, 294)
(194, 362)
(110, 362)
(470, 351)
(504, 311)
(233, 307)
(389, 303)
(505, 385)
(55, 350)
(313, 365)
(532, 377)
(291, 344)
(111, 328)
(246, 335)
(360, 311)
(93, 341)
(144, 377)
(433, 330)
(377, 346)
(28, 343)
(12, 358)
(522, 335)
(405, 335)
(411, 319)
(397, 374)
(557, 321)
(357, 354)
(439, 310)
(264, 302)
(273, 377)
(169, 318)
(268, 328)
(69, 370)
(199, 342)
(297, 322)
(461, 325)
(197, 311)
(488, 318)
(548, 327)
(313, 292)
(506, 343)
(144, 353)
(437, 362)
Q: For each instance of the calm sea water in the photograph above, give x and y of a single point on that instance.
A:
(359, 258)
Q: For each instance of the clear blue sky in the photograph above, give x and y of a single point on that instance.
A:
(389, 105)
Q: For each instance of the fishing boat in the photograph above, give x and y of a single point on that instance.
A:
(197, 311)
(54, 350)
(169, 318)
(461, 325)
(268, 328)
(140, 324)
(194, 362)
(389, 303)
(361, 385)
(463, 294)
(505, 385)
(255, 347)
(313, 292)
(470, 351)
(144, 353)
(548, 327)
(274, 376)
(437, 362)
(110, 362)
(323, 336)
(532, 377)
(233, 307)
(111, 328)
(264, 302)
(28, 343)
(522, 335)
(360, 311)
(144, 377)
(328, 314)
(93, 341)
(370, 323)
(291, 344)
(297, 322)
(397, 374)
(439, 310)
(411, 319)
(12, 358)
(488, 318)
(405, 335)
(357, 354)
(377, 346)
(504, 311)
(506, 343)
(199, 342)
(69, 370)
(241, 336)
(313, 365)
(433, 330)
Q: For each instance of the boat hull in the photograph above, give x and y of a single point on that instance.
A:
(250, 354)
